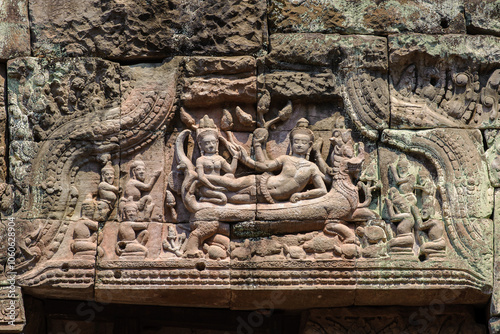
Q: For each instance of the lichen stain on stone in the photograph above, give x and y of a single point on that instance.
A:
(379, 19)
(311, 16)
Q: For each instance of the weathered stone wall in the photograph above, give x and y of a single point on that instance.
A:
(278, 155)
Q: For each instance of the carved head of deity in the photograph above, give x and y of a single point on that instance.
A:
(427, 211)
(399, 202)
(207, 136)
(208, 142)
(130, 211)
(88, 207)
(138, 170)
(301, 138)
(403, 166)
(108, 173)
(101, 211)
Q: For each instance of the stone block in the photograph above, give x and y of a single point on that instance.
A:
(13, 317)
(495, 299)
(14, 29)
(63, 99)
(366, 17)
(55, 255)
(482, 17)
(135, 30)
(123, 274)
(346, 72)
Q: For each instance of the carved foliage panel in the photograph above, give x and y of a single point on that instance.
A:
(444, 81)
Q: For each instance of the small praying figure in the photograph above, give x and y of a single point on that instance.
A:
(132, 235)
(84, 233)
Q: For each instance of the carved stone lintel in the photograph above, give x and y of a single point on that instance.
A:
(280, 183)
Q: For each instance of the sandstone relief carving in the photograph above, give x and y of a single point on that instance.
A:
(12, 315)
(132, 234)
(84, 243)
(493, 156)
(327, 154)
(283, 194)
(174, 242)
(137, 190)
(107, 191)
(414, 211)
(427, 92)
(266, 177)
(377, 321)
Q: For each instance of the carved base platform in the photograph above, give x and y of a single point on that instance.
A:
(71, 279)
(288, 284)
(180, 282)
(306, 284)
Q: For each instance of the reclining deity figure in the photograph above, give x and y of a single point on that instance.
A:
(138, 189)
(296, 171)
(288, 179)
(132, 235)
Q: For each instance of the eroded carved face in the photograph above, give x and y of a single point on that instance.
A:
(402, 169)
(130, 213)
(427, 212)
(88, 210)
(101, 212)
(495, 168)
(209, 144)
(301, 144)
(140, 173)
(108, 176)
